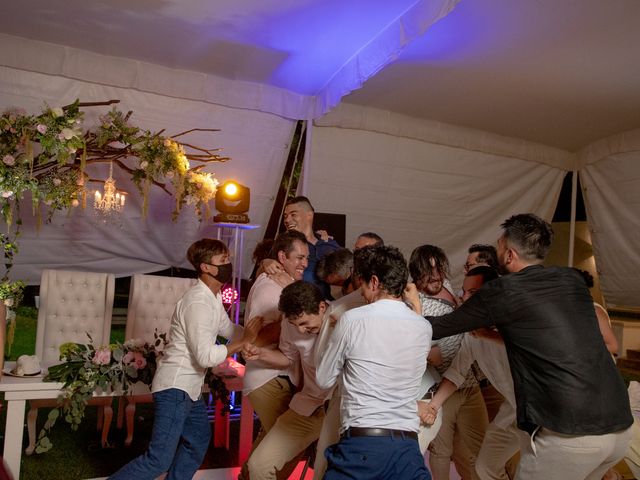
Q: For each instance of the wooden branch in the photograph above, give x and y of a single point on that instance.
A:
(195, 130)
(92, 104)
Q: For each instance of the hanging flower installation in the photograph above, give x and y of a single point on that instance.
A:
(47, 155)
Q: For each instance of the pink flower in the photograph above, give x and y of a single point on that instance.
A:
(102, 356)
(41, 128)
(139, 361)
(136, 359)
(57, 182)
(75, 202)
(9, 160)
(6, 194)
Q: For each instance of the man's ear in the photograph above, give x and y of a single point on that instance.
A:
(281, 256)
(375, 283)
(322, 307)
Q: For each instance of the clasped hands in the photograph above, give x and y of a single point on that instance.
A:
(427, 413)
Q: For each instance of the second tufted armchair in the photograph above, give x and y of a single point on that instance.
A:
(72, 304)
(152, 300)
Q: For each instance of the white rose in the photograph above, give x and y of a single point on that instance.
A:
(57, 112)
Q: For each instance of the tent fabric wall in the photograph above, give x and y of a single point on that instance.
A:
(612, 199)
(413, 192)
(256, 142)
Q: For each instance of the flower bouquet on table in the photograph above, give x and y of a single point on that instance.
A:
(87, 368)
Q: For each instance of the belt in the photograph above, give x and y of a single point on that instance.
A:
(377, 432)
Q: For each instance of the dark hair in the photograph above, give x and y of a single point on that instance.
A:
(300, 199)
(421, 258)
(486, 254)
(373, 236)
(298, 298)
(262, 250)
(385, 262)
(586, 276)
(486, 272)
(338, 262)
(202, 250)
(529, 235)
(285, 240)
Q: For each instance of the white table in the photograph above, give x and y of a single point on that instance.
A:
(20, 389)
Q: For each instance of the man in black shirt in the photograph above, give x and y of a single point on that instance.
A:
(570, 397)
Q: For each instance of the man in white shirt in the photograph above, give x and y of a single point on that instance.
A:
(380, 352)
(303, 307)
(181, 429)
(270, 389)
(501, 440)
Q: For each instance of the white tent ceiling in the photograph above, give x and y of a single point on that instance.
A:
(427, 89)
(563, 73)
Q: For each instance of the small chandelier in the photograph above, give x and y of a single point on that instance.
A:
(112, 201)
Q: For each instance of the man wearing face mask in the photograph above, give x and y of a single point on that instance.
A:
(181, 429)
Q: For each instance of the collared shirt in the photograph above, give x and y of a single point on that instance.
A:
(198, 319)
(492, 359)
(299, 349)
(262, 301)
(380, 351)
(316, 252)
(449, 346)
(563, 375)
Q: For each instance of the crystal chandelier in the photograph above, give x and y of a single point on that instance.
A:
(111, 201)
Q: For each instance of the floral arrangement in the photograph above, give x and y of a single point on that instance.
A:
(114, 367)
(86, 368)
(10, 292)
(47, 155)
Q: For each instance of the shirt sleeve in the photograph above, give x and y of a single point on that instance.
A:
(332, 362)
(286, 345)
(470, 315)
(460, 365)
(202, 328)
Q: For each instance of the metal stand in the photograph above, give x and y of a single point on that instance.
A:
(233, 235)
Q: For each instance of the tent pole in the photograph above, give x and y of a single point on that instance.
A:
(572, 227)
(302, 186)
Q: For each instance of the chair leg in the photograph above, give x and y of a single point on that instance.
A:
(108, 416)
(32, 416)
(120, 419)
(100, 420)
(130, 412)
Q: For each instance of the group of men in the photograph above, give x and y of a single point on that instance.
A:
(386, 369)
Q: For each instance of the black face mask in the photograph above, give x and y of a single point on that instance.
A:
(225, 273)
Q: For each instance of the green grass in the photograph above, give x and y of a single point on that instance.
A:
(78, 455)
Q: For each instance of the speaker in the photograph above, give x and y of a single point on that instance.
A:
(334, 223)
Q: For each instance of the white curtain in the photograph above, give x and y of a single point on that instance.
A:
(610, 183)
(414, 192)
(256, 142)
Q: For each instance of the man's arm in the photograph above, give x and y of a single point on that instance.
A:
(428, 411)
(470, 315)
(332, 362)
(271, 358)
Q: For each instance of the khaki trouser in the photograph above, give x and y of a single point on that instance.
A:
(291, 434)
(499, 445)
(464, 421)
(269, 402)
(554, 456)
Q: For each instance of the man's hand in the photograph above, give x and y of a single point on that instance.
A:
(427, 413)
(412, 298)
(271, 266)
(281, 278)
(488, 334)
(251, 329)
(324, 235)
(251, 352)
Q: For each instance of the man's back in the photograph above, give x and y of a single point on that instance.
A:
(384, 359)
(563, 376)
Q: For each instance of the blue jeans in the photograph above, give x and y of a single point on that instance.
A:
(379, 458)
(179, 440)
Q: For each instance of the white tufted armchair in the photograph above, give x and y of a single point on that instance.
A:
(152, 300)
(72, 304)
